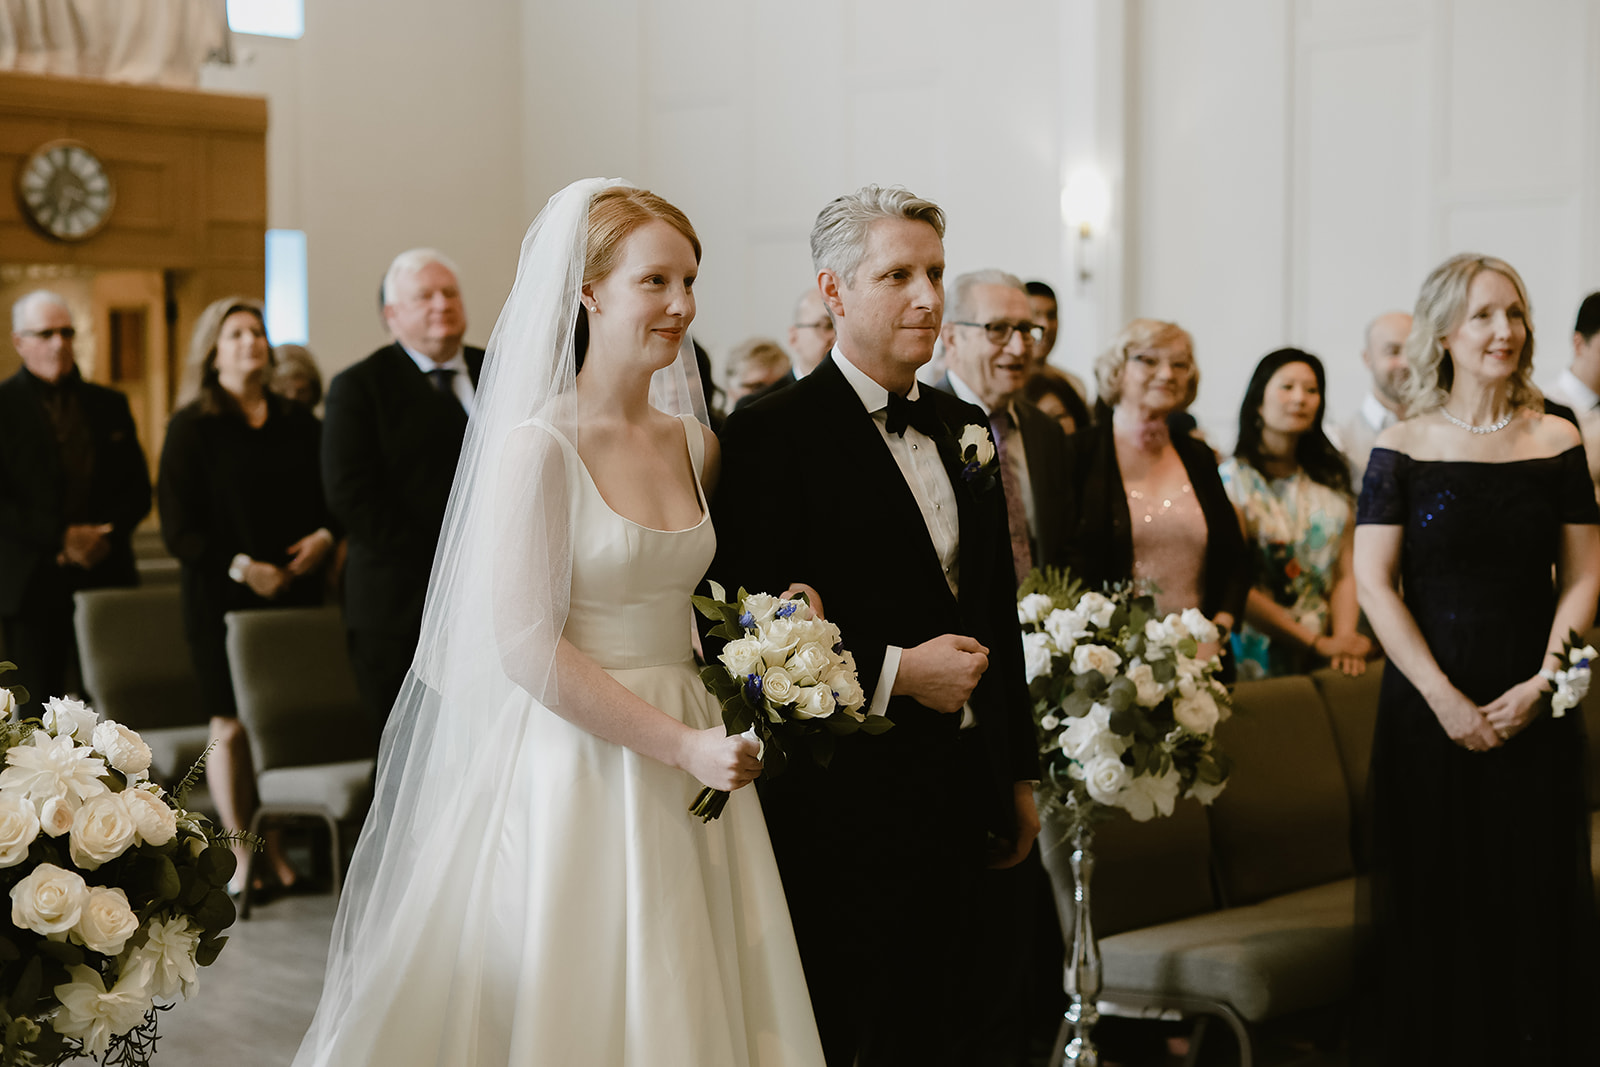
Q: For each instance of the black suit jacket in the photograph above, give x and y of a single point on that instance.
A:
(390, 444)
(1049, 458)
(32, 522)
(856, 534)
(1102, 544)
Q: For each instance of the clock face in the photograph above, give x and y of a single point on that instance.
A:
(66, 191)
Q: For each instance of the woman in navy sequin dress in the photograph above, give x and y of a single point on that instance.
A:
(1477, 551)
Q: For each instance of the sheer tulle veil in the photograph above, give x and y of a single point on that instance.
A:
(497, 604)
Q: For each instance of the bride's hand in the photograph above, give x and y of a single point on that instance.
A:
(1464, 722)
(1511, 711)
(813, 598)
(720, 761)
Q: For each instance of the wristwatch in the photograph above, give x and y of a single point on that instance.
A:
(239, 566)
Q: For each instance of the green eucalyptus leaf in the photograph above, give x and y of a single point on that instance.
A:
(207, 951)
(876, 724)
(1121, 694)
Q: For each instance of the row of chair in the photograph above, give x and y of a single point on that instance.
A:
(311, 741)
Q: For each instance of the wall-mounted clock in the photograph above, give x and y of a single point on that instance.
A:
(65, 191)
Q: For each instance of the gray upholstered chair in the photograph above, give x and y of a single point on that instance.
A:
(137, 670)
(310, 738)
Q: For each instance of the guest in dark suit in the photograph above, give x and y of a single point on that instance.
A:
(243, 511)
(73, 485)
(1152, 507)
(393, 427)
(881, 851)
(811, 338)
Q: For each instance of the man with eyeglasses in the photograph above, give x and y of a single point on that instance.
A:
(73, 485)
(811, 338)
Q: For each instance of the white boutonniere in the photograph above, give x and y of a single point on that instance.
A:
(978, 460)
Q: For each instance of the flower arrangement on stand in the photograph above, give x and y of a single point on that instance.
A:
(1126, 712)
(783, 678)
(117, 893)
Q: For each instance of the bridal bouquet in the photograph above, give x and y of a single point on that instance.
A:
(1571, 682)
(117, 893)
(784, 672)
(1125, 711)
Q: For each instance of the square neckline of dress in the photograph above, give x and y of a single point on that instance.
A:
(699, 489)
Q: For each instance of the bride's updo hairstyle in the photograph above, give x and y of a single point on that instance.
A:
(1441, 305)
(614, 214)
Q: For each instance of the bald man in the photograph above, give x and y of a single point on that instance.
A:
(811, 338)
(1384, 355)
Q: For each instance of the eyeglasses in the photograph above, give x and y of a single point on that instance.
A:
(1000, 332)
(66, 333)
(820, 324)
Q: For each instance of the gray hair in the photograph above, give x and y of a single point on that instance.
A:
(761, 351)
(25, 304)
(409, 262)
(800, 305)
(839, 236)
(958, 302)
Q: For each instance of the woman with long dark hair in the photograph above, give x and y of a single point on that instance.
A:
(1291, 488)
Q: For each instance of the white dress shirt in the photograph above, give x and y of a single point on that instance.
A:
(1016, 452)
(918, 459)
(460, 382)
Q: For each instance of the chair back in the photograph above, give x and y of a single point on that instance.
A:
(136, 662)
(295, 689)
(1352, 705)
(1283, 822)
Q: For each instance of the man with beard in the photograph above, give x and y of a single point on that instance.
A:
(1384, 355)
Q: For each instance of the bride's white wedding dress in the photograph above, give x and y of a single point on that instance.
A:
(585, 918)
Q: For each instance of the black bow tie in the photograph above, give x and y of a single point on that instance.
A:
(918, 414)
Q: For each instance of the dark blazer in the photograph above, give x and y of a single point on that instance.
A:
(1102, 544)
(1050, 478)
(32, 522)
(866, 550)
(745, 401)
(390, 444)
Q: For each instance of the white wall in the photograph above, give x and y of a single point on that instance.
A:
(1300, 167)
(393, 123)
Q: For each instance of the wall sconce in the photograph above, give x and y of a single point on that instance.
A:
(1086, 207)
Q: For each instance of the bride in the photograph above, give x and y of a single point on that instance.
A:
(530, 887)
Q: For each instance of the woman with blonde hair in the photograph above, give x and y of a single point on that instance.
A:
(1477, 552)
(240, 495)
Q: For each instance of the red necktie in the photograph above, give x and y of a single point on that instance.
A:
(1016, 508)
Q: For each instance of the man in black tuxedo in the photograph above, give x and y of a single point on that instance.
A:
(811, 338)
(391, 437)
(851, 481)
(73, 485)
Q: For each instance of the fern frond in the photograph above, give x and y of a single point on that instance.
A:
(180, 793)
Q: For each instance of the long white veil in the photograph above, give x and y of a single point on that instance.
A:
(497, 605)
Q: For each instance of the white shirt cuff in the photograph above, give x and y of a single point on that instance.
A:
(886, 677)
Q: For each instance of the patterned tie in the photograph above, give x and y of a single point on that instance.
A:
(1016, 508)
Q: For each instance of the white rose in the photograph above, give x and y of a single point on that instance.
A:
(847, 691)
(1159, 638)
(742, 657)
(49, 900)
(1087, 658)
(816, 702)
(1089, 737)
(101, 831)
(761, 607)
(777, 686)
(1048, 722)
(809, 663)
(1582, 656)
(8, 704)
(1097, 608)
(1200, 628)
(106, 922)
(1032, 608)
(1066, 628)
(168, 954)
(977, 438)
(122, 748)
(55, 817)
(1150, 691)
(1105, 777)
(1205, 792)
(19, 826)
(1197, 713)
(778, 641)
(797, 609)
(153, 819)
(1036, 654)
(94, 1014)
(1147, 794)
(65, 717)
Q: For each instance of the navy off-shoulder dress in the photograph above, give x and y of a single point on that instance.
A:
(1480, 939)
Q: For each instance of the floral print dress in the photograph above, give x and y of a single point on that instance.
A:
(1294, 526)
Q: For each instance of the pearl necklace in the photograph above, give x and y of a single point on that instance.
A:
(1493, 427)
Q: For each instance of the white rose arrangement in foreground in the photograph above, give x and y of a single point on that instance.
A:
(1126, 713)
(117, 894)
(784, 677)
